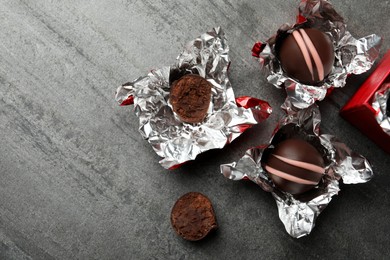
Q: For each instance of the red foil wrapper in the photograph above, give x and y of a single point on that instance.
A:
(299, 212)
(352, 56)
(227, 117)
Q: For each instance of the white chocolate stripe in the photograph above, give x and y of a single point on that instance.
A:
(305, 52)
(288, 177)
(304, 165)
(314, 54)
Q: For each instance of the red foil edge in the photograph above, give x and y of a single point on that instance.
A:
(128, 101)
(261, 109)
(176, 166)
(257, 49)
(301, 19)
(329, 91)
(249, 102)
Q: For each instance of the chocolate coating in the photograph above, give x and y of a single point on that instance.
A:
(307, 55)
(295, 166)
(193, 217)
(190, 98)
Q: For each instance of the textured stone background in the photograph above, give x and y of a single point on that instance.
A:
(78, 182)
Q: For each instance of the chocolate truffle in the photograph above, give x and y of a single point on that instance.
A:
(307, 55)
(388, 107)
(190, 98)
(295, 166)
(193, 217)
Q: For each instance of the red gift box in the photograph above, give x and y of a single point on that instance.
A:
(359, 112)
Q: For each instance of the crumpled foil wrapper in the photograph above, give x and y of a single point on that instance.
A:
(351, 55)
(298, 213)
(227, 118)
(380, 105)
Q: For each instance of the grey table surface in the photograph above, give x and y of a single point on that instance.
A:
(77, 181)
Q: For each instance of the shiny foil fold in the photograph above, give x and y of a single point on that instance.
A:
(298, 213)
(351, 55)
(379, 104)
(227, 118)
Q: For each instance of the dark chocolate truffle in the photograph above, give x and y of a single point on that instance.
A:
(295, 166)
(307, 55)
(388, 107)
(190, 98)
(193, 217)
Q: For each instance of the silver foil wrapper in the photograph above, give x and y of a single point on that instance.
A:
(227, 117)
(352, 56)
(299, 213)
(379, 104)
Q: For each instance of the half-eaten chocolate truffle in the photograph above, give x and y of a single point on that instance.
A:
(193, 217)
(190, 98)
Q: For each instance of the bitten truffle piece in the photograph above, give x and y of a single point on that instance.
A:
(190, 98)
(295, 166)
(307, 55)
(193, 217)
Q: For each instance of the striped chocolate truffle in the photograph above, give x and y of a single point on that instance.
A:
(295, 166)
(307, 55)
